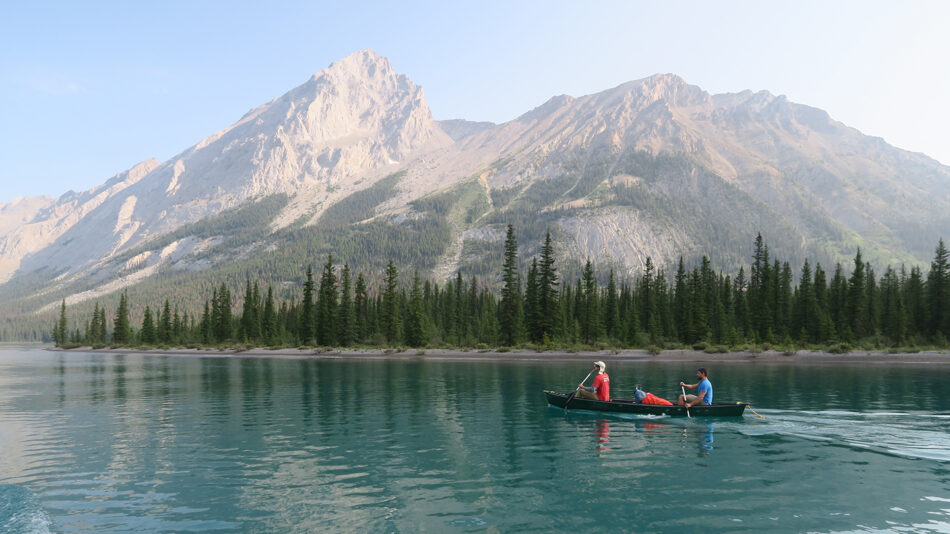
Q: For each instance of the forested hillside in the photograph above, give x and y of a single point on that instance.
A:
(335, 306)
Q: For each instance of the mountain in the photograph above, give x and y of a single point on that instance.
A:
(352, 163)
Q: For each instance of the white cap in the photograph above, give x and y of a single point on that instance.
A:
(602, 365)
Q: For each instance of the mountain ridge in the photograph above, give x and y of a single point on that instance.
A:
(652, 167)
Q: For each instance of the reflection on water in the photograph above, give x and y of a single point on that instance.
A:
(159, 443)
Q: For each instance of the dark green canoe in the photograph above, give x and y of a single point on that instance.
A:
(631, 406)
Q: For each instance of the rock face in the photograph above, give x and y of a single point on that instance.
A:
(653, 167)
(355, 120)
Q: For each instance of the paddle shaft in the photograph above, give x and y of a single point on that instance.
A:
(571, 396)
(685, 402)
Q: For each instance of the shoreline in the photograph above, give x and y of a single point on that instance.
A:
(627, 355)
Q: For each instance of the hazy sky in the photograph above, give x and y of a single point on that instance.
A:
(88, 89)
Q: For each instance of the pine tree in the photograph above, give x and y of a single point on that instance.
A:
(915, 302)
(938, 292)
(509, 310)
(148, 334)
(326, 305)
(223, 327)
(347, 315)
(415, 320)
(122, 330)
(611, 309)
(269, 318)
(759, 284)
(60, 336)
(461, 315)
(894, 318)
(390, 305)
(164, 333)
(361, 306)
(547, 289)
(307, 315)
(590, 317)
(857, 309)
(741, 303)
(207, 332)
(680, 298)
(838, 304)
(532, 324)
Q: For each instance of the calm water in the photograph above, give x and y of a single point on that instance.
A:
(111, 443)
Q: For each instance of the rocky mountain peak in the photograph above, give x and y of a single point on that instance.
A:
(365, 64)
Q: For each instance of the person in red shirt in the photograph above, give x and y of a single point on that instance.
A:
(601, 388)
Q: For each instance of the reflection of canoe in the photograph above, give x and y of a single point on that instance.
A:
(631, 406)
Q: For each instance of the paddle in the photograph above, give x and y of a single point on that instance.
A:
(571, 396)
(685, 402)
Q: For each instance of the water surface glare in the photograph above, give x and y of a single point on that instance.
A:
(150, 443)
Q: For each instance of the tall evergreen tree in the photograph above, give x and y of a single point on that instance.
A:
(148, 335)
(223, 327)
(60, 336)
(415, 320)
(390, 304)
(122, 329)
(164, 333)
(269, 318)
(611, 309)
(307, 316)
(857, 309)
(590, 317)
(547, 289)
(532, 323)
(361, 305)
(206, 325)
(326, 305)
(347, 314)
(509, 310)
(938, 292)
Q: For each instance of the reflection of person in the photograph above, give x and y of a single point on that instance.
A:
(706, 440)
(601, 388)
(702, 386)
(603, 434)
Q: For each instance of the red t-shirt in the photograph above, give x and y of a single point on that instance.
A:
(602, 383)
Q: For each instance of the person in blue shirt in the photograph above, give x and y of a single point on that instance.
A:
(702, 386)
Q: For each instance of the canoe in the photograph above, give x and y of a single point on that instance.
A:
(631, 406)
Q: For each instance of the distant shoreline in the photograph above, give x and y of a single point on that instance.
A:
(855, 357)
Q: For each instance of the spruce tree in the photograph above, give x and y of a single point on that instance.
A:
(938, 293)
(509, 310)
(590, 315)
(857, 309)
(611, 309)
(148, 335)
(307, 317)
(326, 305)
(390, 305)
(223, 327)
(207, 332)
(347, 314)
(547, 289)
(164, 333)
(122, 330)
(415, 320)
(532, 324)
(61, 336)
(361, 308)
(269, 318)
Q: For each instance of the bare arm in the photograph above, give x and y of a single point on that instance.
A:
(699, 400)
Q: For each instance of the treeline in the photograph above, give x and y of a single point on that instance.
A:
(695, 306)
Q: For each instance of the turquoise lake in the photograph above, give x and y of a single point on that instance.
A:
(150, 443)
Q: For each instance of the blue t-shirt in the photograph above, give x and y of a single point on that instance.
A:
(707, 387)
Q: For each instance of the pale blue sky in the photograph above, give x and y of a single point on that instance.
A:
(89, 89)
